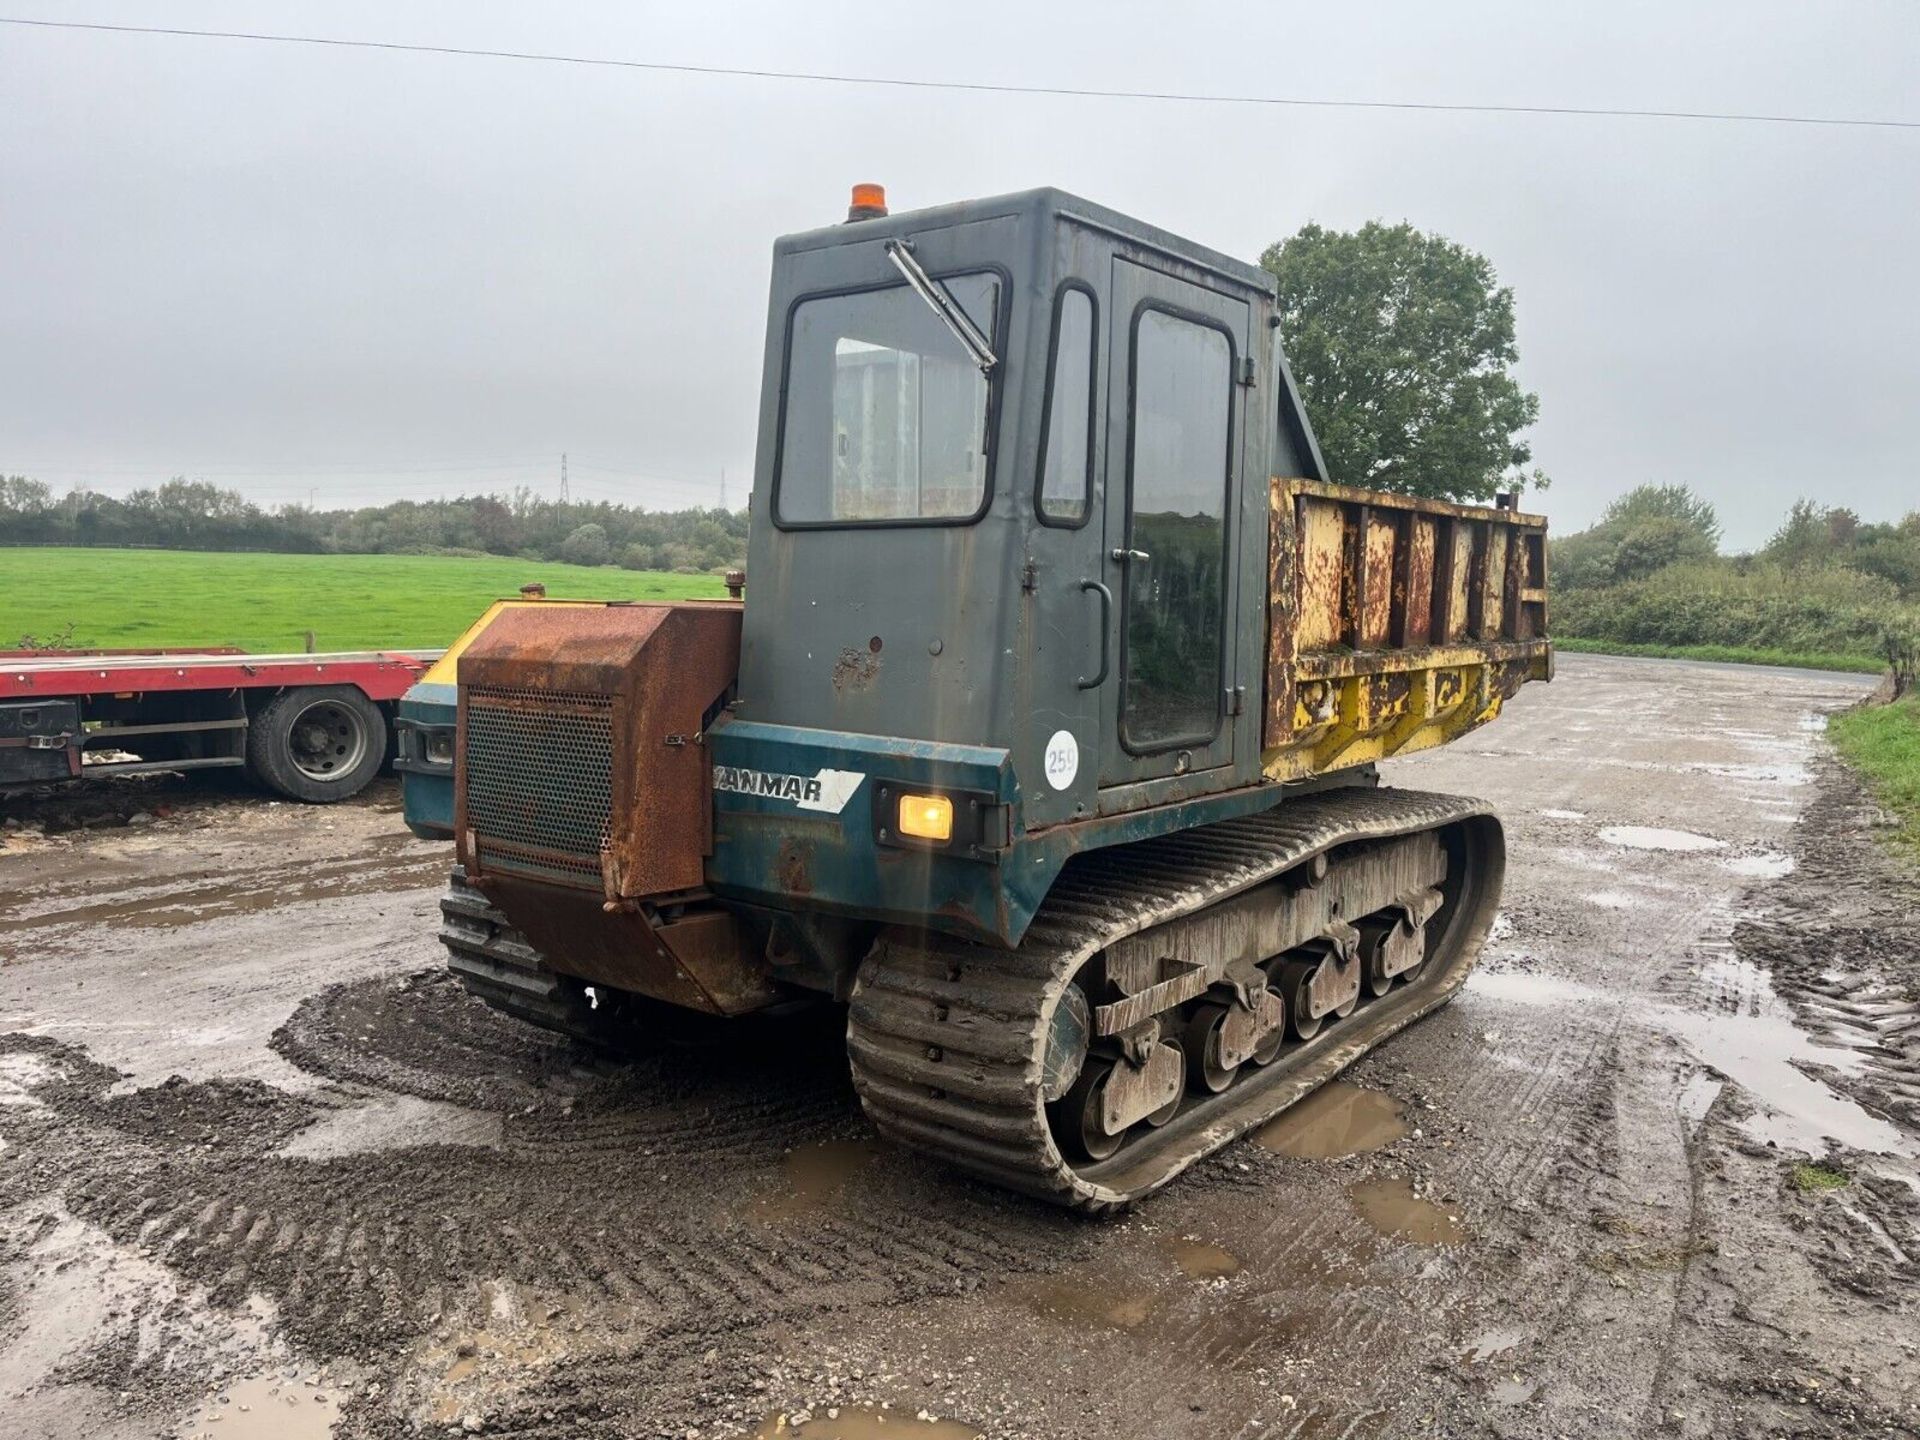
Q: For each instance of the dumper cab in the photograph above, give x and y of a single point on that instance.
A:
(1014, 558)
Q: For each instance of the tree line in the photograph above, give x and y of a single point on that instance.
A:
(1828, 585)
(196, 515)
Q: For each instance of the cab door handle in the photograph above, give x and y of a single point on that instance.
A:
(1106, 624)
(1123, 555)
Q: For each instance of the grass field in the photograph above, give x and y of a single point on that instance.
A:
(1726, 654)
(117, 598)
(1883, 742)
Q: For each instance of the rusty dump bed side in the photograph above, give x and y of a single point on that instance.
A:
(1395, 623)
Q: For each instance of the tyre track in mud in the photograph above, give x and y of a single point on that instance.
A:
(631, 1189)
(1620, 1258)
(1841, 942)
(1557, 1152)
(1659, 1211)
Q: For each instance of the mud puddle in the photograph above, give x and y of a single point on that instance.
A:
(861, 1422)
(1392, 1208)
(76, 1294)
(1489, 1343)
(521, 1336)
(1615, 900)
(813, 1176)
(1756, 1045)
(394, 1122)
(1335, 1121)
(20, 1075)
(1085, 1299)
(1080, 1300)
(1651, 837)
(1768, 865)
(173, 906)
(268, 1407)
(1792, 774)
(1201, 1259)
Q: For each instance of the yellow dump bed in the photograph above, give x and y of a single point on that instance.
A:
(1395, 623)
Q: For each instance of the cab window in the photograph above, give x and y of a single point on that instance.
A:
(885, 412)
(1182, 430)
(1066, 461)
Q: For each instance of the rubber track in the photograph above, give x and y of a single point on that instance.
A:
(945, 1036)
(496, 964)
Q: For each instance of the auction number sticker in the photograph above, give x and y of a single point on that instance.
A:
(1063, 759)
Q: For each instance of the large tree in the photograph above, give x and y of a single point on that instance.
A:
(1401, 343)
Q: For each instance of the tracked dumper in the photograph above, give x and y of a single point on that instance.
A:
(1045, 734)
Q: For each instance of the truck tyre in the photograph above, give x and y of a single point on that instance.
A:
(317, 743)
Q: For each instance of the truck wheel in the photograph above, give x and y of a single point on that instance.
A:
(318, 743)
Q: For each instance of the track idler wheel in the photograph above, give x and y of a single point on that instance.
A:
(1068, 1032)
(1224, 1035)
(1389, 948)
(1086, 1107)
(1113, 1095)
(1323, 980)
(1393, 942)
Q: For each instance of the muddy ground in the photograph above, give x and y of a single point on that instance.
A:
(264, 1173)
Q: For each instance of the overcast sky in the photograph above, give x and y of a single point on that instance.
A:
(370, 275)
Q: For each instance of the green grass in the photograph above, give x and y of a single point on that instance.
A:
(1726, 654)
(118, 598)
(1883, 743)
(1810, 1178)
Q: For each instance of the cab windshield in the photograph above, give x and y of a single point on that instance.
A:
(885, 410)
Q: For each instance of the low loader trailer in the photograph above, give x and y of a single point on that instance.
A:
(310, 727)
(1045, 735)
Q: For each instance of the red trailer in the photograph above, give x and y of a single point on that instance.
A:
(313, 727)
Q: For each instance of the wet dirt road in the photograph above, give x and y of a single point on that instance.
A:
(264, 1173)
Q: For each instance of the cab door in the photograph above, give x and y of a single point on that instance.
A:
(1176, 417)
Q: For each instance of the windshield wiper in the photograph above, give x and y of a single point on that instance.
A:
(900, 252)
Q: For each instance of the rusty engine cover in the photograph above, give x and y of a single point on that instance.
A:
(583, 793)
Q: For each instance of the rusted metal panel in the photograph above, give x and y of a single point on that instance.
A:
(656, 673)
(1510, 577)
(695, 955)
(1282, 616)
(715, 950)
(1413, 622)
(1493, 612)
(1529, 578)
(1345, 665)
(1321, 575)
(1415, 504)
(1459, 576)
(1417, 588)
(1374, 621)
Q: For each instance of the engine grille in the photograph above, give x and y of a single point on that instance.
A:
(539, 781)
